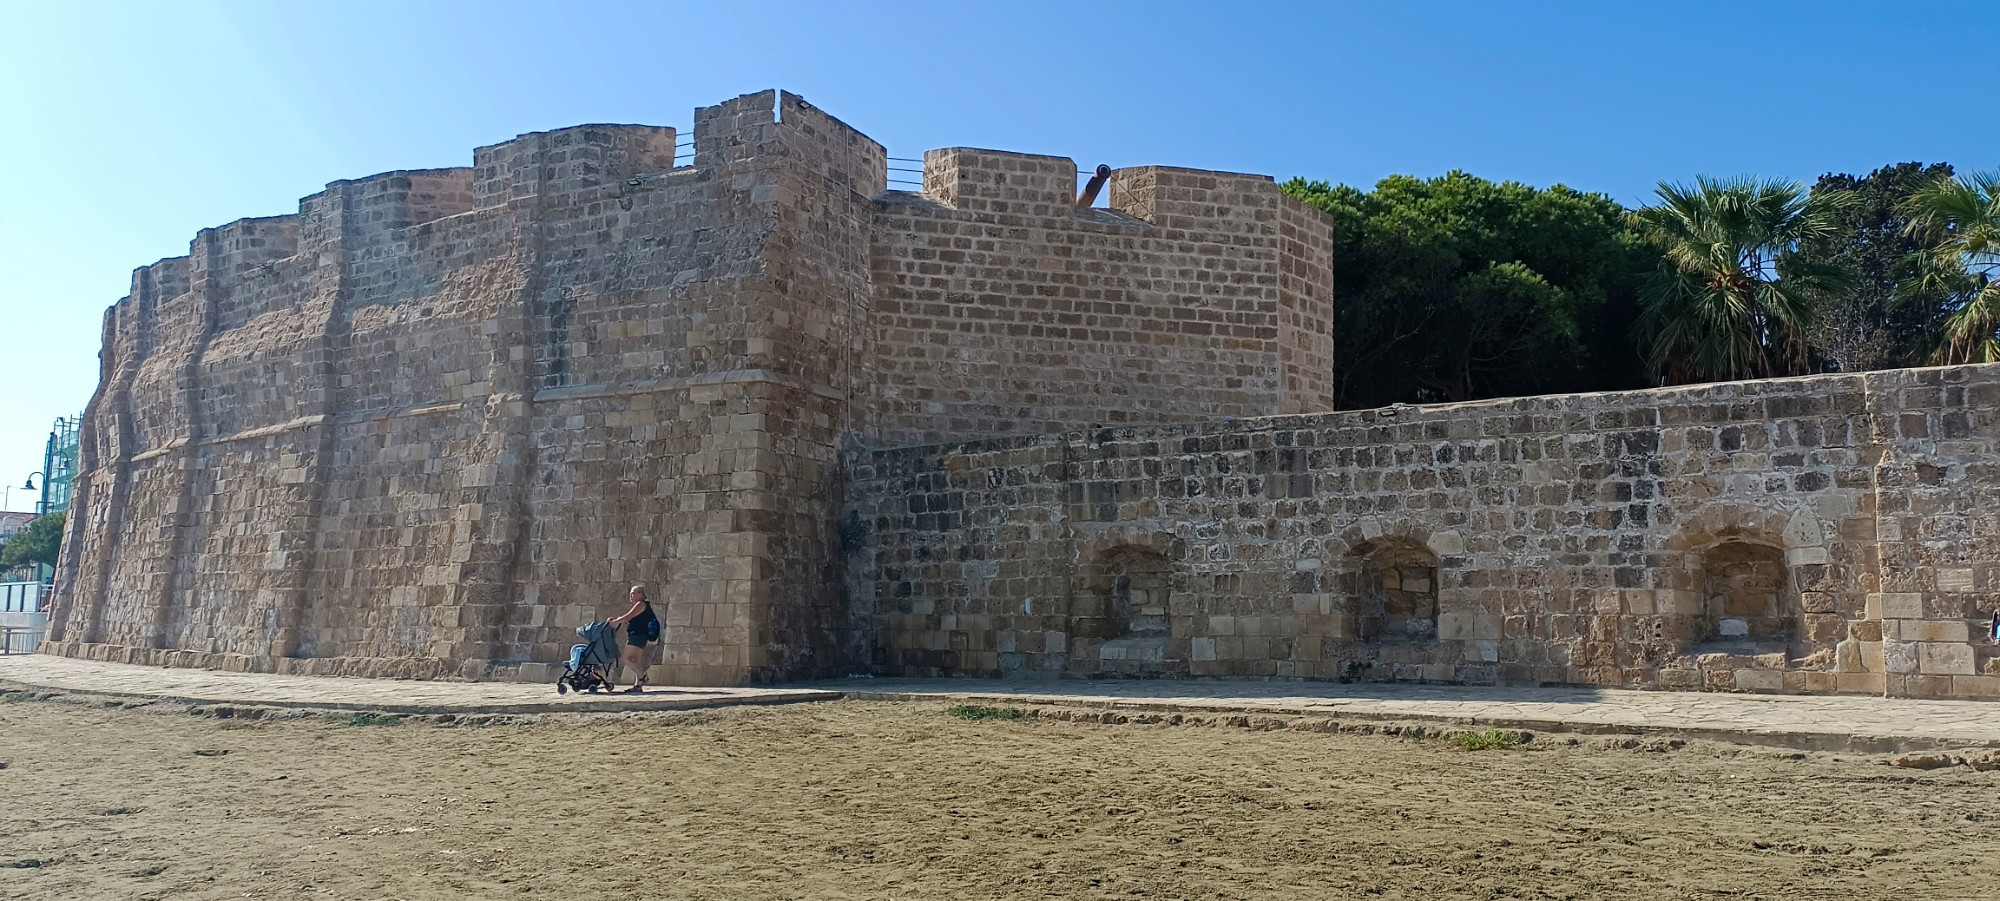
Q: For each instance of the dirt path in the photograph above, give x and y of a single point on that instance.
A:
(879, 800)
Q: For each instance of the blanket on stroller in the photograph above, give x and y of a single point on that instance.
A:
(600, 647)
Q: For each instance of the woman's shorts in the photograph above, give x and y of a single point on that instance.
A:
(636, 639)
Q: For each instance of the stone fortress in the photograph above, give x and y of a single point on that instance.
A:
(437, 419)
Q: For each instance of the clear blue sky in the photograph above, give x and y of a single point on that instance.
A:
(128, 127)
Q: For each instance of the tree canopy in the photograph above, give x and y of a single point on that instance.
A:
(36, 544)
(1458, 288)
(1731, 299)
(1882, 320)
(1958, 221)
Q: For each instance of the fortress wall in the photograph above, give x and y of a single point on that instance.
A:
(111, 434)
(342, 438)
(1590, 539)
(692, 446)
(656, 299)
(1000, 308)
(439, 418)
(819, 338)
(1305, 308)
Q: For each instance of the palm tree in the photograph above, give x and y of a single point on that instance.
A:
(1728, 300)
(1960, 219)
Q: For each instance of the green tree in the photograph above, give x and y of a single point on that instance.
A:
(1717, 306)
(36, 544)
(1958, 219)
(1459, 288)
(1880, 321)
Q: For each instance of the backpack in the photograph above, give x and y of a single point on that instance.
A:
(649, 625)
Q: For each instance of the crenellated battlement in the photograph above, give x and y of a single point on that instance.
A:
(565, 161)
(423, 425)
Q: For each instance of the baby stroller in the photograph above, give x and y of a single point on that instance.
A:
(590, 663)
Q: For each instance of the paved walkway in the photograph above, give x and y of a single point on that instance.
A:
(42, 671)
(1828, 723)
(1819, 723)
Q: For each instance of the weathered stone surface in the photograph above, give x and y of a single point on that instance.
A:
(1565, 542)
(437, 419)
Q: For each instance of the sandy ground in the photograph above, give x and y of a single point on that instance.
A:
(877, 800)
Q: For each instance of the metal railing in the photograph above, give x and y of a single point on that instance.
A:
(17, 640)
(904, 182)
(905, 173)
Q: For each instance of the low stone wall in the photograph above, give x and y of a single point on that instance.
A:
(1834, 533)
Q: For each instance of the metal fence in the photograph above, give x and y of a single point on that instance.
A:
(905, 177)
(22, 621)
(21, 640)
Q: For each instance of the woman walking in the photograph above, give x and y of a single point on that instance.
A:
(642, 628)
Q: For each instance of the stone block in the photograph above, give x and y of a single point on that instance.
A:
(1680, 679)
(1899, 657)
(1804, 530)
(1975, 686)
(1759, 680)
(1806, 556)
(1860, 683)
(1955, 579)
(1931, 630)
(1895, 605)
(1683, 603)
(1938, 658)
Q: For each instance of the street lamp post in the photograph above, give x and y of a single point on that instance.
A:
(41, 504)
(41, 509)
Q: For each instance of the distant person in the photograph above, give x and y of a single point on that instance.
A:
(642, 628)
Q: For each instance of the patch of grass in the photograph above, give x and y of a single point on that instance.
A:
(1487, 740)
(977, 712)
(373, 719)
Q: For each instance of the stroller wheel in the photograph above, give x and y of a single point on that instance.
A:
(562, 688)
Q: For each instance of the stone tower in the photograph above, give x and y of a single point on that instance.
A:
(437, 419)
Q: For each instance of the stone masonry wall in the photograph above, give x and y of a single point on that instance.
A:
(437, 419)
(1836, 533)
(1002, 309)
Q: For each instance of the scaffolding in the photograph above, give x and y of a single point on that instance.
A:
(59, 466)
